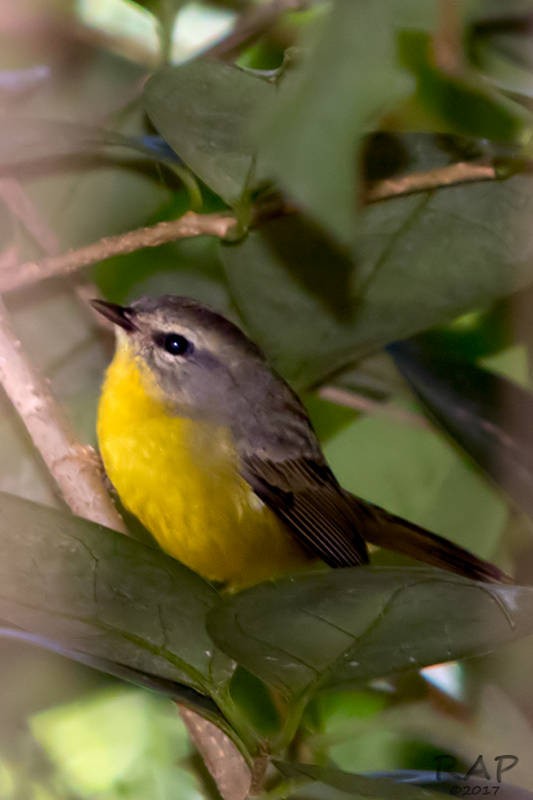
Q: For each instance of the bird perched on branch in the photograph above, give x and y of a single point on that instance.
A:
(215, 454)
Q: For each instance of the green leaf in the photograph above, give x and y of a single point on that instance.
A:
(358, 787)
(323, 630)
(104, 594)
(309, 136)
(203, 110)
(462, 104)
(421, 261)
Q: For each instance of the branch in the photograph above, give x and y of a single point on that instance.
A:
(187, 226)
(73, 467)
(224, 762)
(451, 175)
(221, 224)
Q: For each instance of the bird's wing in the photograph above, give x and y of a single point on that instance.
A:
(306, 496)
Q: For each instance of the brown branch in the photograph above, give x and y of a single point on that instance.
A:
(224, 762)
(187, 226)
(441, 177)
(221, 225)
(73, 467)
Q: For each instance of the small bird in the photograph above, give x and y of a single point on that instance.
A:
(215, 454)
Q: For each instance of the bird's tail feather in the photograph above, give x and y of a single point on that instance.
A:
(394, 533)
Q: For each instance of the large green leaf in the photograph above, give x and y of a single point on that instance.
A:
(203, 110)
(358, 624)
(106, 595)
(420, 261)
(309, 136)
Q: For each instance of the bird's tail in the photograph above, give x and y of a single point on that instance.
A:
(397, 534)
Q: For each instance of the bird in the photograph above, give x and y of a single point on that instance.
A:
(212, 450)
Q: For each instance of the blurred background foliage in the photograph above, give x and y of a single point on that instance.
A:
(330, 99)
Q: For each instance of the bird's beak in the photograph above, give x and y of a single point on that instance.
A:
(119, 315)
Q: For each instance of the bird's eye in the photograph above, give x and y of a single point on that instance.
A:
(176, 344)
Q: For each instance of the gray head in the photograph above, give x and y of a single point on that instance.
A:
(207, 368)
(202, 363)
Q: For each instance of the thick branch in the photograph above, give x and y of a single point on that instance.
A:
(221, 757)
(74, 468)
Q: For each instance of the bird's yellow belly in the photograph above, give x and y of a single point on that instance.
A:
(180, 478)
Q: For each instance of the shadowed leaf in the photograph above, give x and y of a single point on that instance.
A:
(486, 414)
(420, 261)
(358, 624)
(203, 110)
(106, 595)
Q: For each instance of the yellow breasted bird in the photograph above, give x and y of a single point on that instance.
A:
(216, 456)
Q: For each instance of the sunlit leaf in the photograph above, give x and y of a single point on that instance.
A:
(357, 624)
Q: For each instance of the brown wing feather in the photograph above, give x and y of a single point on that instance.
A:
(307, 497)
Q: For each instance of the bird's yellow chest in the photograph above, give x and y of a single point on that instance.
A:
(180, 478)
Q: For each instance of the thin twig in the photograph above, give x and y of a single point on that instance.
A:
(187, 226)
(221, 224)
(357, 402)
(250, 26)
(451, 175)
